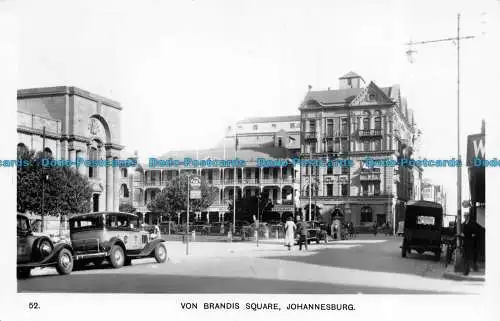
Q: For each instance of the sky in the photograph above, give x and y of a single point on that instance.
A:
(185, 70)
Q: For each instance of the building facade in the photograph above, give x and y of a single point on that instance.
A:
(356, 122)
(265, 137)
(77, 124)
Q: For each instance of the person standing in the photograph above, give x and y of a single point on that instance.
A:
(290, 229)
(470, 233)
(303, 226)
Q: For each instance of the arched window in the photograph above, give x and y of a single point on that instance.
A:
(366, 214)
(124, 191)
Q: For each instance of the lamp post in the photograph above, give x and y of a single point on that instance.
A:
(44, 178)
(410, 52)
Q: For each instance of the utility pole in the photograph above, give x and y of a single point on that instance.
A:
(187, 215)
(459, 168)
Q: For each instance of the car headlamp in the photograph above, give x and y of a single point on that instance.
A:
(45, 249)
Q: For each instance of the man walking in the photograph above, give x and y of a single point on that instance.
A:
(302, 230)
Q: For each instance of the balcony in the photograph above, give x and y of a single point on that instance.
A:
(370, 133)
(371, 194)
(154, 183)
(369, 176)
(311, 136)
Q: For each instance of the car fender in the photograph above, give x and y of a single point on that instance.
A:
(34, 248)
(52, 258)
(150, 247)
(115, 241)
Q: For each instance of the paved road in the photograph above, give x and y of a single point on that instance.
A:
(363, 265)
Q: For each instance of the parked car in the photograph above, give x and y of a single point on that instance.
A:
(39, 251)
(113, 236)
(316, 232)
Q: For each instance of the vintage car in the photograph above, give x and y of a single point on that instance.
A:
(115, 237)
(422, 228)
(39, 251)
(316, 232)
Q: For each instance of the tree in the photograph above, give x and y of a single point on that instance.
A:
(66, 191)
(126, 208)
(173, 198)
(247, 207)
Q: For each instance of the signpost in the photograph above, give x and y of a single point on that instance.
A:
(194, 192)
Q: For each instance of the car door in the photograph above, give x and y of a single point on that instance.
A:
(23, 240)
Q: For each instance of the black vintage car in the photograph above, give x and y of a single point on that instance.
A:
(422, 228)
(316, 232)
(37, 250)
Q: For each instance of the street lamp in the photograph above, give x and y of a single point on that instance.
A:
(410, 52)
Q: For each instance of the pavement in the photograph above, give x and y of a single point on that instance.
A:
(477, 276)
(365, 265)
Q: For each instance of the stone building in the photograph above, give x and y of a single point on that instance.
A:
(78, 124)
(356, 121)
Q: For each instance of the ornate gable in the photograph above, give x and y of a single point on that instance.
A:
(370, 95)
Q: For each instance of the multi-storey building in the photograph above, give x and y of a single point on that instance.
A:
(434, 193)
(265, 137)
(356, 121)
(276, 184)
(77, 124)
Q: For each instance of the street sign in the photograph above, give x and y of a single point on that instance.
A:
(195, 194)
(195, 182)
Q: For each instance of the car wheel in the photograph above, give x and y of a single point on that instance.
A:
(117, 256)
(64, 262)
(403, 249)
(160, 253)
(128, 261)
(23, 273)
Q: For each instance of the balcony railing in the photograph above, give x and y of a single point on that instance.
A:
(370, 133)
(154, 183)
(371, 194)
(369, 176)
(310, 136)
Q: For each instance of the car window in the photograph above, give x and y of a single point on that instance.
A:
(122, 222)
(22, 224)
(86, 222)
(425, 220)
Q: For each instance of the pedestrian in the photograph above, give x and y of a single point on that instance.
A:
(302, 230)
(290, 229)
(470, 233)
(375, 229)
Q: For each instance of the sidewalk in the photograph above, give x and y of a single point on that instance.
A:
(478, 276)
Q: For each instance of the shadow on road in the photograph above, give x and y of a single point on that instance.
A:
(375, 257)
(140, 283)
